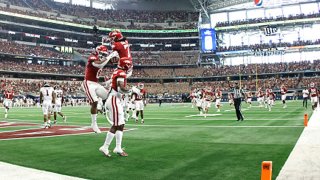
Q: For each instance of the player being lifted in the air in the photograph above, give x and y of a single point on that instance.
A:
(114, 104)
(58, 104)
(96, 61)
(7, 102)
(47, 99)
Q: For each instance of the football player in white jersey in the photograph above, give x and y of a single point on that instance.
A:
(47, 98)
(58, 104)
(305, 95)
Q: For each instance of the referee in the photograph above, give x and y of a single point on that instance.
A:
(237, 95)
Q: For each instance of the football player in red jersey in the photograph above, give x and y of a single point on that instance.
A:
(120, 44)
(139, 98)
(313, 95)
(260, 96)
(218, 96)
(271, 98)
(96, 61)
(7, 102)
(115, 108)
(249, 98)
(208, 97)
(283, 92)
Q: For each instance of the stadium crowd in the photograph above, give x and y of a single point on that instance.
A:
(31, 86)
(168, 72)
(267, 45)
(270, 19)
(106, 18)
(9, 47)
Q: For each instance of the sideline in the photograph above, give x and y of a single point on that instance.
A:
(14, 172)
(304, 160)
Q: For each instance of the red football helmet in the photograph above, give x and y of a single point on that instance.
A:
(125, 64)
(115, 35)
(101, 51)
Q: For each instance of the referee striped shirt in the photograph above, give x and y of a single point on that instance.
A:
(237, 93)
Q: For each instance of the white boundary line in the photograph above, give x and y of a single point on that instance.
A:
(15, 172)
(304, 160)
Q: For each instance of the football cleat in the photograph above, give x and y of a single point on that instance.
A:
(65, 119)
(95, 128)
(104, 151)
(142, 121)
(120, 152)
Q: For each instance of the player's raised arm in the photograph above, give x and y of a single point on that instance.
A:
(100, 63)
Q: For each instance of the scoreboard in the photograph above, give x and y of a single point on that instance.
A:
(208, 40)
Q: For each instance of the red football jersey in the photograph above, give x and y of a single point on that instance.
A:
(208, 96)
(283, 91)
(268, 91)
(123, 48)
(141, 95)
(271, 96)
(8, 94)
(92, 73)
(260, 93)
(218, 94)
(313, 92)
(118, 73)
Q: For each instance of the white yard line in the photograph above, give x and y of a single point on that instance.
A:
(304, 160)
(14, 172)
(199, 126)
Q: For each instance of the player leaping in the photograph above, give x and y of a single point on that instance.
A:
(120, 44)
(96, 61)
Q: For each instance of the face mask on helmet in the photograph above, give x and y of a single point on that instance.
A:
(115, 35)
(102, 51)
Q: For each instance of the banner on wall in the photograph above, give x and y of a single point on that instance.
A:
(208, 40)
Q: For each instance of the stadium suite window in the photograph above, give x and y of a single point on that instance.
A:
(291, 10)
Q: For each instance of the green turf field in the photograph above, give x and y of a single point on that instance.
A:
(172, 144)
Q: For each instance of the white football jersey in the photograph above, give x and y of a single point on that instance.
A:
(47, 93)
(59, 94)
(305, 93)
